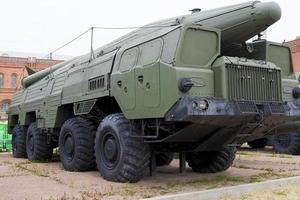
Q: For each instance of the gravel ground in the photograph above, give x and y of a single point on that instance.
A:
(21, 179)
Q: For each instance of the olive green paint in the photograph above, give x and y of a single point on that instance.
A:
(141, 70)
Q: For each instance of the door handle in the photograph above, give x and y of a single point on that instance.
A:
(141, 78)
(119, 83)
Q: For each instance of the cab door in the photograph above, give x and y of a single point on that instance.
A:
(135, 80)
(123, 80)
(147, 77)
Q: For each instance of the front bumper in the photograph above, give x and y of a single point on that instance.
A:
(232, 113)
(227, 122)
(218, 112)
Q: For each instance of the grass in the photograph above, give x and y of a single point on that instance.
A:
(5, 162)
(244, 153)
(132, 191)
(35, 170)
(280, 155)
(267, 175)
(32, 169)
(56, 152)
(259, 153)
(128, 191)
(255, 168)
(241, 154)
(242, 166)
(202, 183)
(281, 192)
(10, 175)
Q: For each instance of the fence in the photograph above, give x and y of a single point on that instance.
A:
(5, 138)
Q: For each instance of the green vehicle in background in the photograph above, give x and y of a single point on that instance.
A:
(189, 84)
(288, 142)
(5, 138)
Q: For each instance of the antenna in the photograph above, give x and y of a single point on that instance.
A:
(50, 55)
(92, 55)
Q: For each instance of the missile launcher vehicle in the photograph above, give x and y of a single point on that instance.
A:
(190, 84)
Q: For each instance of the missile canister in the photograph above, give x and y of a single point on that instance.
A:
(254, 17)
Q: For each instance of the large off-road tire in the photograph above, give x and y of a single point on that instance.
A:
(119, 156)
(211, 161)
(288, 143)
(259, 143)
(36, 144)
(19, 141)
(76, 144)
(164, 158)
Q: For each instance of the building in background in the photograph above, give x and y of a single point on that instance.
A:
(295, 44)
(12, 71)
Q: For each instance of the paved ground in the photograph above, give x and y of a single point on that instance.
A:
(290, 192)
(21, 179)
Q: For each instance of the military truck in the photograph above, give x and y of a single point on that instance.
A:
(286, 143)
(176, 85)
(289, 141)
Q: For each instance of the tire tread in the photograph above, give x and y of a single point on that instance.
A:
(221, 161)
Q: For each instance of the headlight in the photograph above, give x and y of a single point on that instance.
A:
(203, 105)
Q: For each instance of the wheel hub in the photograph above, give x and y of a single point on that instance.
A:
(69, 145)
(110, 149)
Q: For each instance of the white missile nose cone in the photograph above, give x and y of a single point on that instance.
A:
(270, 11)
(274, 10)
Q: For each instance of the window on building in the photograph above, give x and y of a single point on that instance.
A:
(5, 106)
(14, 81)
(1, 80)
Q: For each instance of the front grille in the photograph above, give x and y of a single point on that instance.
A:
(253, 83)
(246, 107)
(274, 108)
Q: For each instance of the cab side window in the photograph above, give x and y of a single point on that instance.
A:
(128, 59)
(170, 46)
(151, 51)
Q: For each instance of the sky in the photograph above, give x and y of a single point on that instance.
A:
(41, 26)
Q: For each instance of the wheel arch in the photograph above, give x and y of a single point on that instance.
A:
(12, 121)
(30, 117)
(107, 105)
